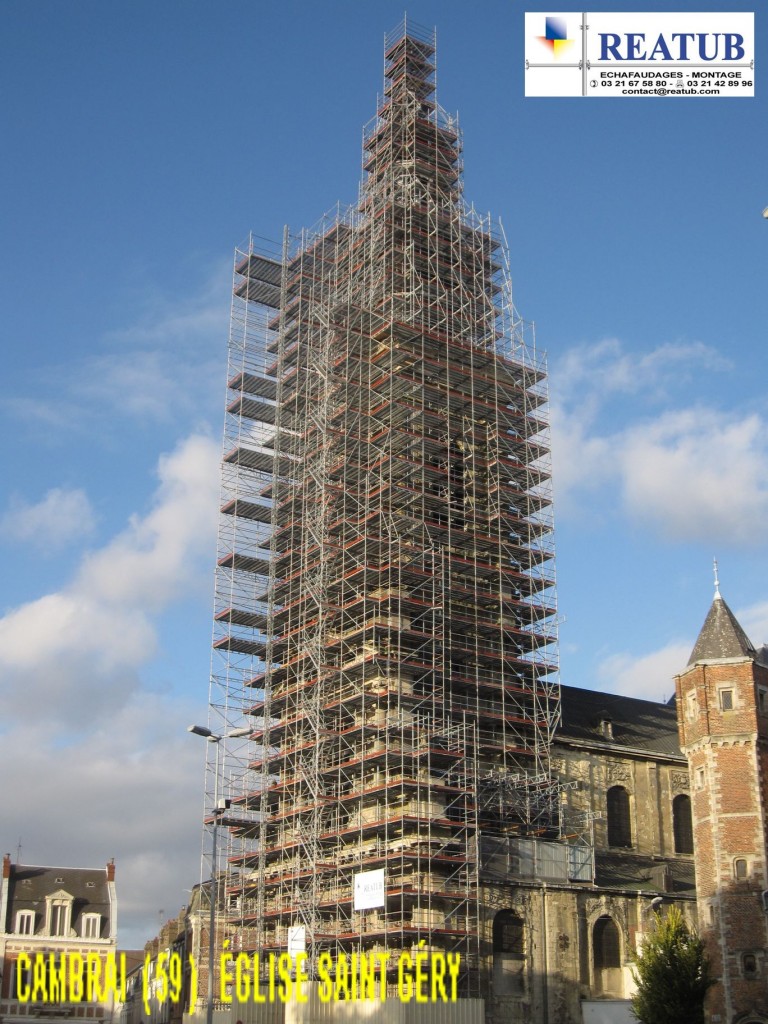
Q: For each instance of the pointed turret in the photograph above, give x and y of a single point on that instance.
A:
(721, 636)
(722, 707)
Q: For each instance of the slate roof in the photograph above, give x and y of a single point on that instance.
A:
(721, 636)
(642, 724)
(29, 886)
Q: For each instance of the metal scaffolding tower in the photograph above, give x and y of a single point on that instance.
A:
(384, 599)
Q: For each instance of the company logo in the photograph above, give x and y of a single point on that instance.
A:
(556, 36)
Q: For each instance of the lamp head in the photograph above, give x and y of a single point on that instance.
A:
(200, 730)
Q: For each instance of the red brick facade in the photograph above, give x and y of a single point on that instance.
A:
(723, 720)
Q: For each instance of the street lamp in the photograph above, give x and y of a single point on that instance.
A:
(212, 737)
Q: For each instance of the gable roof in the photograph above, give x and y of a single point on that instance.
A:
(721, 636)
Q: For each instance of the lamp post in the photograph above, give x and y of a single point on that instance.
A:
(212, 737)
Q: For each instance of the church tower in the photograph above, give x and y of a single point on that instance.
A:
(385, 582)
(722, 702)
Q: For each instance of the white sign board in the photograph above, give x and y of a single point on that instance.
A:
(297, 939)
(653, 53)
(369, 889)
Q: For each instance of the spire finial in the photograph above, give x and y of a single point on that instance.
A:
(717, 581)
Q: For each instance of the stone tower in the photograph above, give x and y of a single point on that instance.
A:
(722, 702)
(385, 585)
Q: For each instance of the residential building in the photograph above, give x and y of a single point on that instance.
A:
(56, 913)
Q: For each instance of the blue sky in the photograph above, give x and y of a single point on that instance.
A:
(142, 142)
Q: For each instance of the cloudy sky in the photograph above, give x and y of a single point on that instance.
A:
(142, 142)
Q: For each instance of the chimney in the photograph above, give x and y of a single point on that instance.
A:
(111, 870)
(7, 866)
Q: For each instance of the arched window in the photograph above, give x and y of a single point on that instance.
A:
(619, 823)
(682, 823)
(606, 956)
(607, 945)
(508, 935)
(508, 953)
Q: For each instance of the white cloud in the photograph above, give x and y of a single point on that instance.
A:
(62, 516)
(132, 790)
(698, 475)
(164, 366)
(167, 363)
(651, 676)
(107, 766)
(78, 652)
(158, 555)
(155, 385)
(648, 677)
(168, 322)
(754, 622)
(606, 368)
(581, 461)
(688, 472)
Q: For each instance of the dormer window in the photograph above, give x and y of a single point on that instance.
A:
(58, 914)
(91, 926)
(605, 726)
(59, 919)
(25, 922)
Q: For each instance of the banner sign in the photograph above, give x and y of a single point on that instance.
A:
(297, 939)
(369, 889)
(641, 54)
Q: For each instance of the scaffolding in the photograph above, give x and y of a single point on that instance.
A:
(385, 587)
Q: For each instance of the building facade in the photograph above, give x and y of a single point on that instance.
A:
(55, 913)
(662, 805)
(567, 927)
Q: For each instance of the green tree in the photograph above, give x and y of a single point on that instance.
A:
(672, 973)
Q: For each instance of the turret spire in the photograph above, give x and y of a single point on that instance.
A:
(721, 636)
